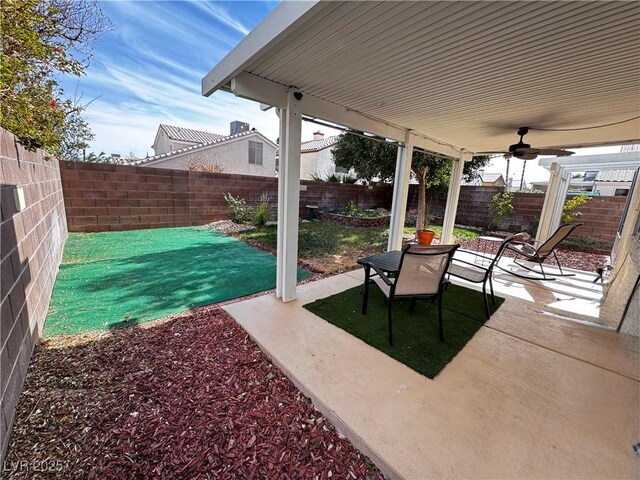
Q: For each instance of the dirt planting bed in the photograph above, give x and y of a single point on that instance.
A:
(187, 397)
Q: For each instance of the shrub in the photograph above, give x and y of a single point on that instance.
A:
(501, 206)
(569, 212)
(316, 177)
(196, 165)
(262, 214)
(240, 212)
(352, 209)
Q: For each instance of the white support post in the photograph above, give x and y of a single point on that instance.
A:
(452, 198)
(282, 166)
(288, 199)
(400, 193)
(554, 200)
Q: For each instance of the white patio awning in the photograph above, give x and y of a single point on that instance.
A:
(465, 74)
(452, 77)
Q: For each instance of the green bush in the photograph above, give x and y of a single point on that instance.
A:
(262, 214)
(240, 212)
(569, 213)
(501, 206)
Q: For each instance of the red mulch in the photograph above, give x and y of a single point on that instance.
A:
(569, 257)
(188, 397)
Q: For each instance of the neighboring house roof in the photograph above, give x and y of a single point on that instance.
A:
(615, 176)
(189, 135)
(192, 148)
(491, 177)
(316, 145)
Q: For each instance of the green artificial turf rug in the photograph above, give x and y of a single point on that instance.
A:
(118, 279)
(416, 341)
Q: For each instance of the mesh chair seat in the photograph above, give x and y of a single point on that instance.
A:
(524, 249)
(421, 274)
(475, 275)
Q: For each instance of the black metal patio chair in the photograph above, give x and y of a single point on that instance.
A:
(421, 274)
(540, 254)
(475, 273)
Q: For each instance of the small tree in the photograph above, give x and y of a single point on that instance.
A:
(375, 158)
(501, 207)
(569, 213)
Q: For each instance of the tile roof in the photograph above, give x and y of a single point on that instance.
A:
(220, 139)
(315, 145)
(188, 135)
(615, 175)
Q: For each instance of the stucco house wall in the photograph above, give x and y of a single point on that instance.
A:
(232, 155)
(609, 188)
(320, 162)
(626, 258)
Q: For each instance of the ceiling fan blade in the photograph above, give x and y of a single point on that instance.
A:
(526, 156)
(526, 150)
(555, 152)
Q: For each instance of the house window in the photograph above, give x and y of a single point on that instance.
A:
(621, 192)
(255, 153)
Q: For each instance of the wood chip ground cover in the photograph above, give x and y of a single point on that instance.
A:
(187, 397)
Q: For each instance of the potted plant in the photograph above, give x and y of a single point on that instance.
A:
(423, 234)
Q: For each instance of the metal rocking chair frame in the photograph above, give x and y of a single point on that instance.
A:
(540, 254)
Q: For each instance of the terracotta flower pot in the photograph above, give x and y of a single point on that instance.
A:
(425, 237)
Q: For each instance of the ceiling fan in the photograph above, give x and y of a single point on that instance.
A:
(524, 151)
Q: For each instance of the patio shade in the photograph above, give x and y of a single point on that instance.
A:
(457, 78)
(465, 74)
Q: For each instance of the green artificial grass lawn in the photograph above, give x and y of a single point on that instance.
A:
(116, 279)
(416, 341)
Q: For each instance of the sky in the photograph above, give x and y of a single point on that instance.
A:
(147, 70)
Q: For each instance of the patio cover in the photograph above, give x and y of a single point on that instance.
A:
(453, 77)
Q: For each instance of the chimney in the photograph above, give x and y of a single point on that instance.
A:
(238, 127)
(318, 135)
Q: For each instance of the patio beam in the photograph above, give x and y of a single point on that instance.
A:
(252, 87)
(288, 199)
(451, 209)
(400, 193)
(554, 199)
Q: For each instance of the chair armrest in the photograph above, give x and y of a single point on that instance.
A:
(472, 264)
(382, 275)
(472, 252)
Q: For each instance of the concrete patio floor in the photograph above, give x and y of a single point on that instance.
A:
(532, 395)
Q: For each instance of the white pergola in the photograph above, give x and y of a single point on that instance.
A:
(457, 78)
(561, 170)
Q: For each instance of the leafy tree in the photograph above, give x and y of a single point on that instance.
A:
(41, 39)
(74, 135)
(375, 158)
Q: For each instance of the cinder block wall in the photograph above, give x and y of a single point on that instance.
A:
(31, 246)
(100, 197)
